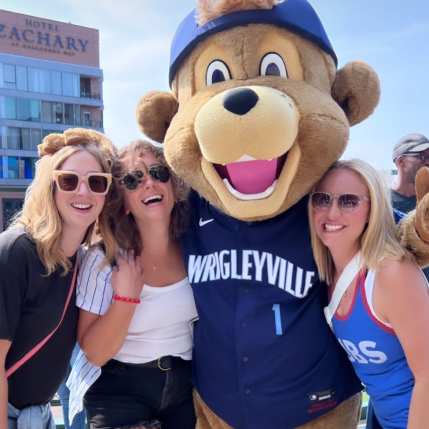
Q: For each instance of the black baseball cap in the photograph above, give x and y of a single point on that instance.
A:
(410, 143)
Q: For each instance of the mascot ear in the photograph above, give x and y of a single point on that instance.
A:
(155, 110)
(357, 90)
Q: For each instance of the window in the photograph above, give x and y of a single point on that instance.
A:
(35, 110)
(21, 78)
(68, 114)
(56, 82)
(13, 138)
(33, 79)
(45, 81)
(11, 111)
(28, 167)
(23, 109)
(57, 112)
(13, 167)
(21, 168)
(71, 84)
(36, 138)
(28, 110)
(25, 139)
(47, 112)
(10, 207)
(9, 76)
(86, 119)
(77, 114)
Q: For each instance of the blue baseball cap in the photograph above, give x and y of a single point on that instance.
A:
(297, 16)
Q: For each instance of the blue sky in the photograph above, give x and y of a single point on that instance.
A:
(135, 36)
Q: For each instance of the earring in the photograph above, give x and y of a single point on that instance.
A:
(175, 201)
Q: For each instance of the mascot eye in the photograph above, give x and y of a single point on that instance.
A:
(217, 72)
(273, 65)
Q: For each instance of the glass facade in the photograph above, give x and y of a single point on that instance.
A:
(21, 167)
(41, 80)
(45, 81)
(23, 138)
(53, 112)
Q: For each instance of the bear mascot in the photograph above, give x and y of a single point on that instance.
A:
(257, 114)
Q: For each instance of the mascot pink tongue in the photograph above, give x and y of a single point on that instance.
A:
(252, 177)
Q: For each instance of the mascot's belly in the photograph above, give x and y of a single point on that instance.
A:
(262, 342)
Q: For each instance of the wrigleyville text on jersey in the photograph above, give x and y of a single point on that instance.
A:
(255, 266)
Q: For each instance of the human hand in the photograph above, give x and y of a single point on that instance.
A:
(128, 277)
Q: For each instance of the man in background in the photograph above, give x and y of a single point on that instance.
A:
(410, 154)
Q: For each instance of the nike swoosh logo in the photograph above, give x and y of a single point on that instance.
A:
(205, 222)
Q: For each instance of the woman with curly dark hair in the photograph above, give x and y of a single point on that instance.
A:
(138, 338)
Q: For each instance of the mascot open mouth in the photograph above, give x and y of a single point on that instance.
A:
(251, 180)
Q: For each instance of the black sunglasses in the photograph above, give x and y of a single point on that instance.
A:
(321, 201)
(134, 178)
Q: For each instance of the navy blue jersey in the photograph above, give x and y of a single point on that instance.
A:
(264, 356)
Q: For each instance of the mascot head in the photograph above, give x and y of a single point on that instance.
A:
(258, 110)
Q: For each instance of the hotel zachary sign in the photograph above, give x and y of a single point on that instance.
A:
(48, 40)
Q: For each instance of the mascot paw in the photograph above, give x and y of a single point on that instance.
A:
(422, 209)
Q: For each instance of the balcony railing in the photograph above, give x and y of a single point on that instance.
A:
(91, 124)
(89, 95)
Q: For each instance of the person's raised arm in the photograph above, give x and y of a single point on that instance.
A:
(101, 336)
(404, 302)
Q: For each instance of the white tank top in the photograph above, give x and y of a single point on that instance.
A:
(162, 322)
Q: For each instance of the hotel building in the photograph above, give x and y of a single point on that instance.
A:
(50, 80)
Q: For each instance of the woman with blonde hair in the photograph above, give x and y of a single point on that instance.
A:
(379, 298)
(38, 266)
(138, 338)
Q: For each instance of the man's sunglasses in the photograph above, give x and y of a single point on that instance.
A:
(421, 156)
(134, 178)
(69, 181)
(321, 201)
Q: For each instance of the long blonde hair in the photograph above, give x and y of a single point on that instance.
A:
(379, 237)
(40, 217)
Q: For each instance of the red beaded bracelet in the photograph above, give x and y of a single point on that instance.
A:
(121, 298)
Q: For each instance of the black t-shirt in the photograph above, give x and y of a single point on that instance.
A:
(31, 306)
(401, 202)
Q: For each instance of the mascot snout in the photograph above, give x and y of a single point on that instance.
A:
(231, 126)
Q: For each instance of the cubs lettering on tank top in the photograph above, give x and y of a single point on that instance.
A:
(264, 355)
(377, 356)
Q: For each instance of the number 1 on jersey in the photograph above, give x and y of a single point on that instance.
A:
(278, 319)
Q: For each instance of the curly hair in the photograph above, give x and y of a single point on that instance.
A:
(124, 227)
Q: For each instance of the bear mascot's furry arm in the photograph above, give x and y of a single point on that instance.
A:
(257, 115)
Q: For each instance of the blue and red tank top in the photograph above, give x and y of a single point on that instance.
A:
(377, 356)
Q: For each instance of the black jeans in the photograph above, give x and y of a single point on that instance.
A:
(127, 395)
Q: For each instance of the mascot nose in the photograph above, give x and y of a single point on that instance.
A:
(240, 100)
